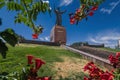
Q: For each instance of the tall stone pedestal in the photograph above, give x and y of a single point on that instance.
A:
(58, 35)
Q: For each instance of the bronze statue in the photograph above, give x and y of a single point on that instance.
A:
(59, 16)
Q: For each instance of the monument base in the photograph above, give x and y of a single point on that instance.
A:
(58, 35)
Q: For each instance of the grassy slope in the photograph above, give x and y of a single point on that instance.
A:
(17, 56)
(110, 49)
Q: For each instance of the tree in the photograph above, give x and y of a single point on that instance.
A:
(27, 11)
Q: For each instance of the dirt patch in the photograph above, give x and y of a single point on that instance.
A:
(70, 65)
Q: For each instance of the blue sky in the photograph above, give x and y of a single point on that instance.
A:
(102, 27)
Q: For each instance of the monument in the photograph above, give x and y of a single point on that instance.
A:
(58, 32)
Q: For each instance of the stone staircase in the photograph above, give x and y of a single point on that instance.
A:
(99, 57)
(95, 51)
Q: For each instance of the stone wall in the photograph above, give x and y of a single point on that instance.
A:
(40, 42)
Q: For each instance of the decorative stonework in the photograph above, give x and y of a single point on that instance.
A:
(58, 35)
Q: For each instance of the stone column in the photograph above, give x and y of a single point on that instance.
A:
(58, 35)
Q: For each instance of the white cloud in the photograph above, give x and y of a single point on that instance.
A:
(113, 6)
(45, 1)
(47, 38)
(109, 38)
(65, 2)
(42, 39)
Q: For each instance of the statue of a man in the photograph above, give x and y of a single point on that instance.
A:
(59, 16)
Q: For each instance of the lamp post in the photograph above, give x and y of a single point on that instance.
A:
(118, 43)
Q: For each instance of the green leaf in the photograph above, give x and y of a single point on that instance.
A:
(2, 5)
(1, 1)
(3, 49)
(28, 1)
(9, 36)
(14, 6)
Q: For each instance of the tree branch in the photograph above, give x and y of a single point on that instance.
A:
(33, 26)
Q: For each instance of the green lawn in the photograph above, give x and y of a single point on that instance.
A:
(16, 58)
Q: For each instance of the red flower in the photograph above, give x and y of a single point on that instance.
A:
(94, 73)
(46, 78)
(38, 63)
(35, 36)
(94, 8)
(113, 59)
(72, 20)
(106, 76)
(89, 66)
(78, 11)
(83, 6)
(30, 57)
(97, 74)
(118, 55)
(91, 14)
(85, 78)
(77, 17)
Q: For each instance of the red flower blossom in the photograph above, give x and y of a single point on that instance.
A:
(30, 57)
(78, 10)
(118, 55)
(85, 78)
(46, 78)
(106, 76)
(72, 20)
(91, 14)
(77, 17)
(83, 6)
(94, 8)
(94, 73)
(35, 36)
(38, 78)
(113, 59)
(89, 66)
(38, 63)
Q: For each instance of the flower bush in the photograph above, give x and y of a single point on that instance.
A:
(87, 8)
(32, 71)
(97, 74)
(80, 13)
(115, 60)
(28, 73)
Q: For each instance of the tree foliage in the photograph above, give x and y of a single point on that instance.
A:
(87, 8)
(27, 11)
(10, 37)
